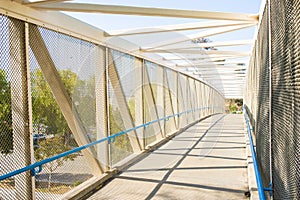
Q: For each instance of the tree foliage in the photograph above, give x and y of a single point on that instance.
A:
(204, 40)
(50, 147)
(6, 134)
(45, 109)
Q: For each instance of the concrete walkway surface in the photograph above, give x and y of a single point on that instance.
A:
(207, 161)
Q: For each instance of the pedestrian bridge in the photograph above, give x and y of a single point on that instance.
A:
(176, 111)
(206, 161)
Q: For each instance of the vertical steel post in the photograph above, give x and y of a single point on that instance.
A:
(122, 103)
(160, 97)
(62, 97)
(175, 100)
(21, 107)
(138, 99)
(102, 113)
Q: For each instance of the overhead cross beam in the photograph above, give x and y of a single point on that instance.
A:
(43, 2)
(211, 52)
(175, 27)
(204, 57)
(199, 64)
(202, 34)
(207, 45)
(146, 11)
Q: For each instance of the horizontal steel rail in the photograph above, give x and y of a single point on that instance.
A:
(260, 187)
(110, 139)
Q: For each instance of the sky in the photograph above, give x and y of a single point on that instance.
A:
(112, 22)
(109, 22)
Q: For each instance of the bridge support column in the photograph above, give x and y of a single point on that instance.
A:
(102, 116)
(160, 98)
(151, 104)
(21, 107)
(138, 99)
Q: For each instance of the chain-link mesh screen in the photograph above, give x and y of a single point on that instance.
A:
(72, 61)
(285, 21)
(6, 130)
(285, 65)
(262, 117)
(192, 103)
(171, 104)
(153, 101)
(67, 96)
(15, 144)
(182, 102)
(121, 103)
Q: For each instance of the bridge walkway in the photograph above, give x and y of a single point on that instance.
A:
(207, 161)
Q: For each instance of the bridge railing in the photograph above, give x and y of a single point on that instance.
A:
(272, 97)
(78, 108)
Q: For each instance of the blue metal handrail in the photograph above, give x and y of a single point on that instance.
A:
(260, 187)
(110, 139)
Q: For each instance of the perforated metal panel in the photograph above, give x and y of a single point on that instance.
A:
(121, 92)
(285, 22)
(262, 116)
(285, 64)
(59, 92)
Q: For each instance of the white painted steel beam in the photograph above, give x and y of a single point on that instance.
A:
(210, 52)
(21, 109)
(62, 97)
(151, 104)
(196, 64)
(226, 43)
(122, 104)
(202, 34)
(53, 20)
(44, 2)
(102, 116)
(203, 57)
(138, 99)
(206, 45)
(175, 27)
(209, 68)
(146, 11)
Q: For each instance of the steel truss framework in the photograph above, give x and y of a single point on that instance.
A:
(216, 23)
(160, 87)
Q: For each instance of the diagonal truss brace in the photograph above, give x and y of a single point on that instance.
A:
(123, 106)
(63, 100)
(175, 27)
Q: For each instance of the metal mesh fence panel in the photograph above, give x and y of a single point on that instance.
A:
(193, 99)
(73, 65)
(285, 97)
(6, 142)
(53, 99)
(153, 104)
(14, 110)
(121, 90)
(262, 117)
(171, 104)
(182, 99)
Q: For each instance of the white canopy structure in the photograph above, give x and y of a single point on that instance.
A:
(186, 46)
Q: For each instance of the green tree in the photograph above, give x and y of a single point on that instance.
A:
(6, 134)
(45, 109)
(50, 147)
(84, 99)
(121, 147)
